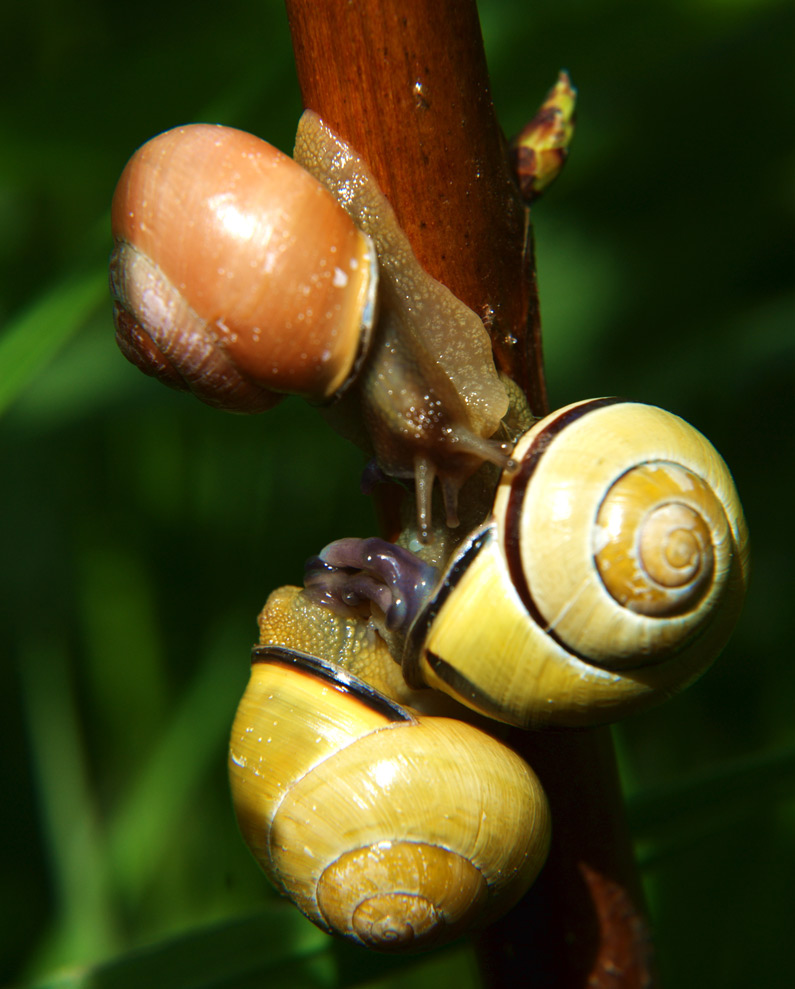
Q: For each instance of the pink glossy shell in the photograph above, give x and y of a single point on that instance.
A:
(235, 272)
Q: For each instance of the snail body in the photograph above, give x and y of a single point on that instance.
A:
(431, 397)
(393, 830)
(240, 275)
(292, 620)
(608, 577)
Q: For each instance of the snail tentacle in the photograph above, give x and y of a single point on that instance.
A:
(608, 577)
(351, 572)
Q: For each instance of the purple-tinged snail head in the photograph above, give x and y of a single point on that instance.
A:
(609, 576)
(242, 275)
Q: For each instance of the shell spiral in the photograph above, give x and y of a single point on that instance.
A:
(235, 274)
(393, 830)
(653, 539)
(614, 568)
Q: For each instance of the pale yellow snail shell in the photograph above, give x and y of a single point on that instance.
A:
(609, 577)
(396, 831)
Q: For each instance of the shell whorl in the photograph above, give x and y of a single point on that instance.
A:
(398, 894)
(394, 831)
(622, 530)
(653, 539)
(612, 572)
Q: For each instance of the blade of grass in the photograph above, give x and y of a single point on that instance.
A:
(142, 829)
(85, 921)
(124, 649)
(274, 948)
(33, 338)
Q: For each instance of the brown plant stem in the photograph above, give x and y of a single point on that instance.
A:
(583, 923)
(405, 83)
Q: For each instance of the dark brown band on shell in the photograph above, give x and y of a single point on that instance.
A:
(334, 676)
(419, 630)
(463, 688)
(513, 514)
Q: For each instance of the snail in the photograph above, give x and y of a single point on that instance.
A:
(242, 275)
(394, 830)
(235, 274)
(608, 576)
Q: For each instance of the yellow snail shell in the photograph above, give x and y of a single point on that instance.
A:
(235, 274)
(396, 831)
(609, 577)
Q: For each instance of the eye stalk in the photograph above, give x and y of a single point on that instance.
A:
(242, 275)
(362, 576)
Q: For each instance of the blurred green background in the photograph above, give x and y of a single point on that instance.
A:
(141, 531)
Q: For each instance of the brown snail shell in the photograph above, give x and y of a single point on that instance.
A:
(396, 831)
(240, 276)
(235, 274)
